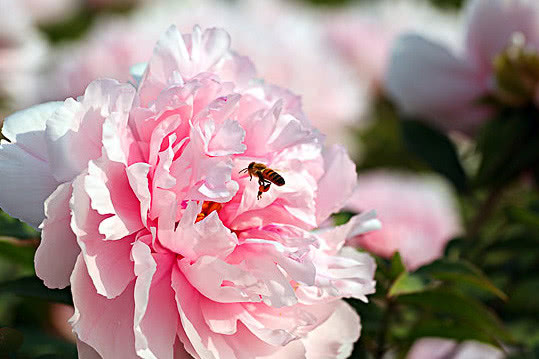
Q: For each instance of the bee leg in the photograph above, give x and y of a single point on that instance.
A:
(262, 181)
(263, 188)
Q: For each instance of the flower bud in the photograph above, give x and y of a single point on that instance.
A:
(516, 72)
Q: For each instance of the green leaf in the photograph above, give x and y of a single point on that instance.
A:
(527, 217)
(460, 308)
(396, 267)
(342, 217)
(509, 144)
(449, 329)
(460, 272)
(522, 293)
(33, 287)
(19, 253)
(10, 340)
(11, 227)
(407, 283)
(436, 150)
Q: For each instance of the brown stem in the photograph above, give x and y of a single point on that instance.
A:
(382, 335)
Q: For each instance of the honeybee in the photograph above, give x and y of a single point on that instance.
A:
(266, 176)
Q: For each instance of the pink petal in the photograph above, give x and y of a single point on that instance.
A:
(74, 132)
(208, 274)
(26, 179)
(337, 184)
(108, 262)
(137, 175)
(208, 237)
(335, 237)
(156, 318)
(104, 324)
(491, 25)
(426, 80)
(110, 193)
(57, 237)
(335, 338)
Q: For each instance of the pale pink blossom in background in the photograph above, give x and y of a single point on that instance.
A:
(109, 50)
(164, 243)
(418, 213)
(364, 34)
(294, 54)
(438, 348)
(51, 11)
(443, 84)
(22, 54)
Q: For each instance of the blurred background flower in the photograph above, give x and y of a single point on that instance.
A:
(419, 215)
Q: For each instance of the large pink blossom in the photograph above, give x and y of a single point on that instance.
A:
(418, 213)
(438, 348)
(445, 86)
(164, 243)
(22, 54)
(113, 45)
(364, 34)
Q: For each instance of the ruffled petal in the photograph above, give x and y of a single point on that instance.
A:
(108, 262)
(26, 179)
(156, 318)
(57, 237)
(335, 338)
(104, 324)
(337, 184)
(75, 132)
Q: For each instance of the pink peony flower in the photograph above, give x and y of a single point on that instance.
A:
(437, 348)
(364, 34)
(115, 45)
(22, 54)
(418, 214)
(445, 86)
(164, 243)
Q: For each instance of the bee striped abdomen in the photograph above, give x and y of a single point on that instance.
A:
(273, 177)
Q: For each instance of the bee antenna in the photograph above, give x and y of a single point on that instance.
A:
(244, 170)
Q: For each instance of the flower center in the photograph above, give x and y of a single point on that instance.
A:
(207, 208)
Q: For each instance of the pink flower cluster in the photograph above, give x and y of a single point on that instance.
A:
(113, 45)
(163, 241)
(364, 34)
(445, 86)
(419, 216)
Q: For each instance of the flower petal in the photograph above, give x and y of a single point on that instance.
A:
(57, 237)
(335, 338)
(108, 262)
(337, 184)
(426, 80)
(156, 318)
(26, 179)
(104, 324)
(75, 132)
(491, 25)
